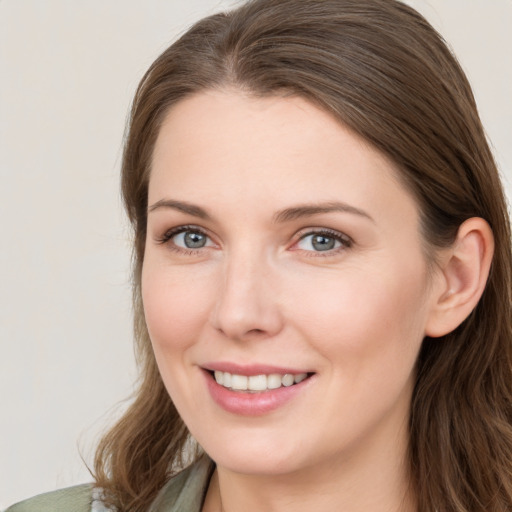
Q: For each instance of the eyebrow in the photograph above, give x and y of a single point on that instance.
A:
(307, 210)
(286, 215)
(182, 206)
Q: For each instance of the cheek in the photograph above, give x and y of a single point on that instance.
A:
(174, 307)
(365, 312)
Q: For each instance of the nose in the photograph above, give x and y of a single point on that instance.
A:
(247, 305)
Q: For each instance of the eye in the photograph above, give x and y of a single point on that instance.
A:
(186, 238)
(323, 241)
(190, 239)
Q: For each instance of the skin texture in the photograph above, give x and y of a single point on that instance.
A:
(258, 292)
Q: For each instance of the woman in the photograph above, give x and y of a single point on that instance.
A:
(316, 211)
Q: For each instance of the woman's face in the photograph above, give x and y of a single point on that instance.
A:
(282, 248)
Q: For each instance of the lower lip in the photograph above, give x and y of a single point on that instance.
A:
(252, 404)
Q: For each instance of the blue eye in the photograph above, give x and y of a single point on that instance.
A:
(190, 239)
(186, 238)
(323, 242)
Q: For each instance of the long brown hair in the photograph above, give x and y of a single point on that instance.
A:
(383, 71)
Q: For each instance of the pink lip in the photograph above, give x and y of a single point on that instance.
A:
(253, 404)
(251, 369)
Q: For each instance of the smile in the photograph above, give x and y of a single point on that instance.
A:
(256, 389)
(257, 383)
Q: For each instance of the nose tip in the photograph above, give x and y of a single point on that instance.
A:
(247, 305)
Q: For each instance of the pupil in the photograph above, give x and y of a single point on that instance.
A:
(323, 243)
(194, 240)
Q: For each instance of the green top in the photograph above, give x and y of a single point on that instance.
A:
(76, 499)
(184, 492)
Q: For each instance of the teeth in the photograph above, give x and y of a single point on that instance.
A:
(300, 377)
(287, 379)
(257, 382)
(239, 382)
(274, 381)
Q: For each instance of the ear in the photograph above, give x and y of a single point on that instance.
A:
(461, 278)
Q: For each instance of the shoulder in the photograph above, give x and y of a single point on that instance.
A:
(183, 493)
(71, 499)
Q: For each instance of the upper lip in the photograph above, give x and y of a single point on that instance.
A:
(251, 369)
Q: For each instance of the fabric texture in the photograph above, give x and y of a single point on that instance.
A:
(72, 499)
(184, 492)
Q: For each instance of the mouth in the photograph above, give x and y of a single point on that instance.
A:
(257, 383)
(255, 390)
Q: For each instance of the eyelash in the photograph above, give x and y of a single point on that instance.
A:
(168, 235)
(345, 241)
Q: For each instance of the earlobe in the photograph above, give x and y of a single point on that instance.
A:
(463, 276)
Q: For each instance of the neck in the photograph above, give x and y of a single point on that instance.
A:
(375, 480)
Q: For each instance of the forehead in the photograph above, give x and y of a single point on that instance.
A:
(227, 146)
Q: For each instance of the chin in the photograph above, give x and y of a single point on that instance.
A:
(257, 458)
(261, 464)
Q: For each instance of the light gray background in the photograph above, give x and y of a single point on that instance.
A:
(67, 74)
